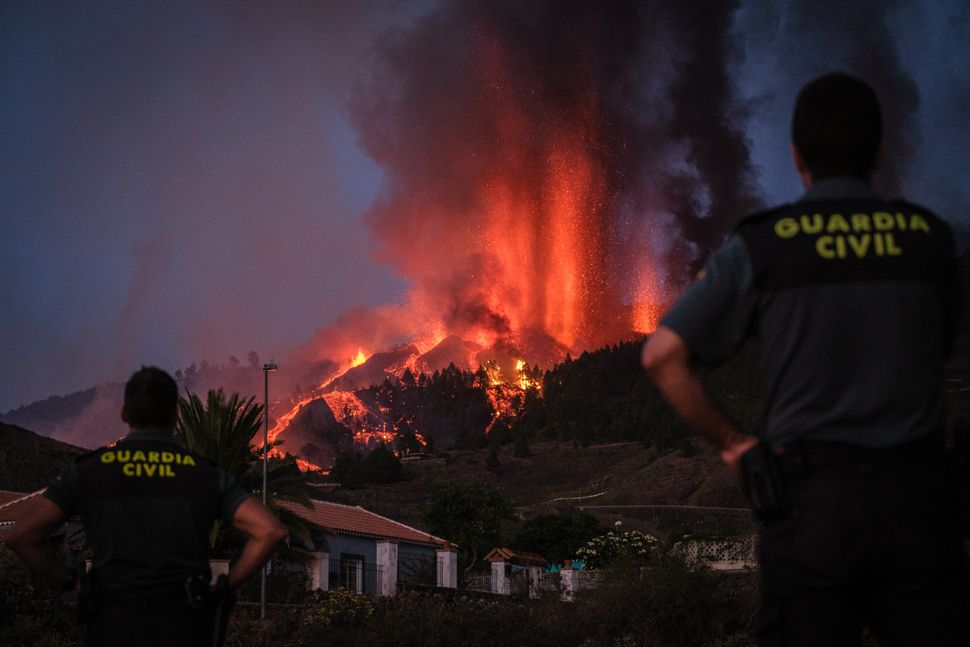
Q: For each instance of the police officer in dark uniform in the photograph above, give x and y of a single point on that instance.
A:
(147, 505)
(853, 302)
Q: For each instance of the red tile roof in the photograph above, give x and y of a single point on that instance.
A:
(11, 505)
(520, 557)
(354, 520)
(6, 496)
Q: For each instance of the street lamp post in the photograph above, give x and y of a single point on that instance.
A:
(267, 368)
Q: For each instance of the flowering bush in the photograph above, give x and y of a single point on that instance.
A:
(633, 544)
(337, 608)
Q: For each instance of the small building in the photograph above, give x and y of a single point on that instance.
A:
(516, 571)
(365, 552)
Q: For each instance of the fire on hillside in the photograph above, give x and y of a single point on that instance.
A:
(373, 424)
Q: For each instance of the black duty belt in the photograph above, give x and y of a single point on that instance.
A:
(184, 590)
(804, 456)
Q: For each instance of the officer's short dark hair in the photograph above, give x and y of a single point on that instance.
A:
(837, 126)
(151, 398)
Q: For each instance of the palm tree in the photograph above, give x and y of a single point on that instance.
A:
(222, 429)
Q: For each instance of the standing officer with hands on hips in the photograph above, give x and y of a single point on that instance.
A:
(147, 505)
(853, 302)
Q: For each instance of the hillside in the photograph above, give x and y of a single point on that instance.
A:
(554, 477)
(614, 482)
(29, 461)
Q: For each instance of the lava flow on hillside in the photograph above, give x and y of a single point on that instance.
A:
(547, 163)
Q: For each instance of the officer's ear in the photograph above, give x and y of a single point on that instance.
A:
(124, 415)
(803, 171)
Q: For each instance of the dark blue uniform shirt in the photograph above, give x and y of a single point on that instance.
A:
(854, 303)
(147, 505)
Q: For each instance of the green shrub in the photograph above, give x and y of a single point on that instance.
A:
(338, 609)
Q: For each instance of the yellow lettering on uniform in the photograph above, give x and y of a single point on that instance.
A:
(166, 470)
(152, 457)
(916, 221)
(123, 455)
(891, 246)
(138, 456)
(860, 244)
(108, 457)
(128, 469)
(883, 221)
(150, 469)
(880, 247)
(837, 223)
(840, 246)
(814, 225)
(188, 460)
(168, 457)
(786, 228)
(860, 222)
(824, 247)
(900, 221)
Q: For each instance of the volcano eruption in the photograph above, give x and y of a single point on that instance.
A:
(547, 164)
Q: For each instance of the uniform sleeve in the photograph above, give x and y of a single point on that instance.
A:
(63, 490)
(232, 493)
(715, 314)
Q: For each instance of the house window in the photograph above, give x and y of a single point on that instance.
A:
(352, 573)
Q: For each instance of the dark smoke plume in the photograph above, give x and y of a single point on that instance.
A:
(481, 95)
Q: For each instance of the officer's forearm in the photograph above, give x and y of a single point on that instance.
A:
(36, 554)
(665, 357)
(687, 394)
(256, 552)
(264, 530)
(29, 539)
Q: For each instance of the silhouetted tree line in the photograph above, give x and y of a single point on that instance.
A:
(243, 378)
(604, 396)
(448, 408)
(352, 469)
(601, 396)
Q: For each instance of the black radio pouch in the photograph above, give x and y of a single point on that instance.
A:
(90, 599)
(764, 484)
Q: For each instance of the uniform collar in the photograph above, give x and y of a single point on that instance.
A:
(152, 433)
(843, 187)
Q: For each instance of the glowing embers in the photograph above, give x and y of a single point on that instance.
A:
(359, 359)
(507, 396)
